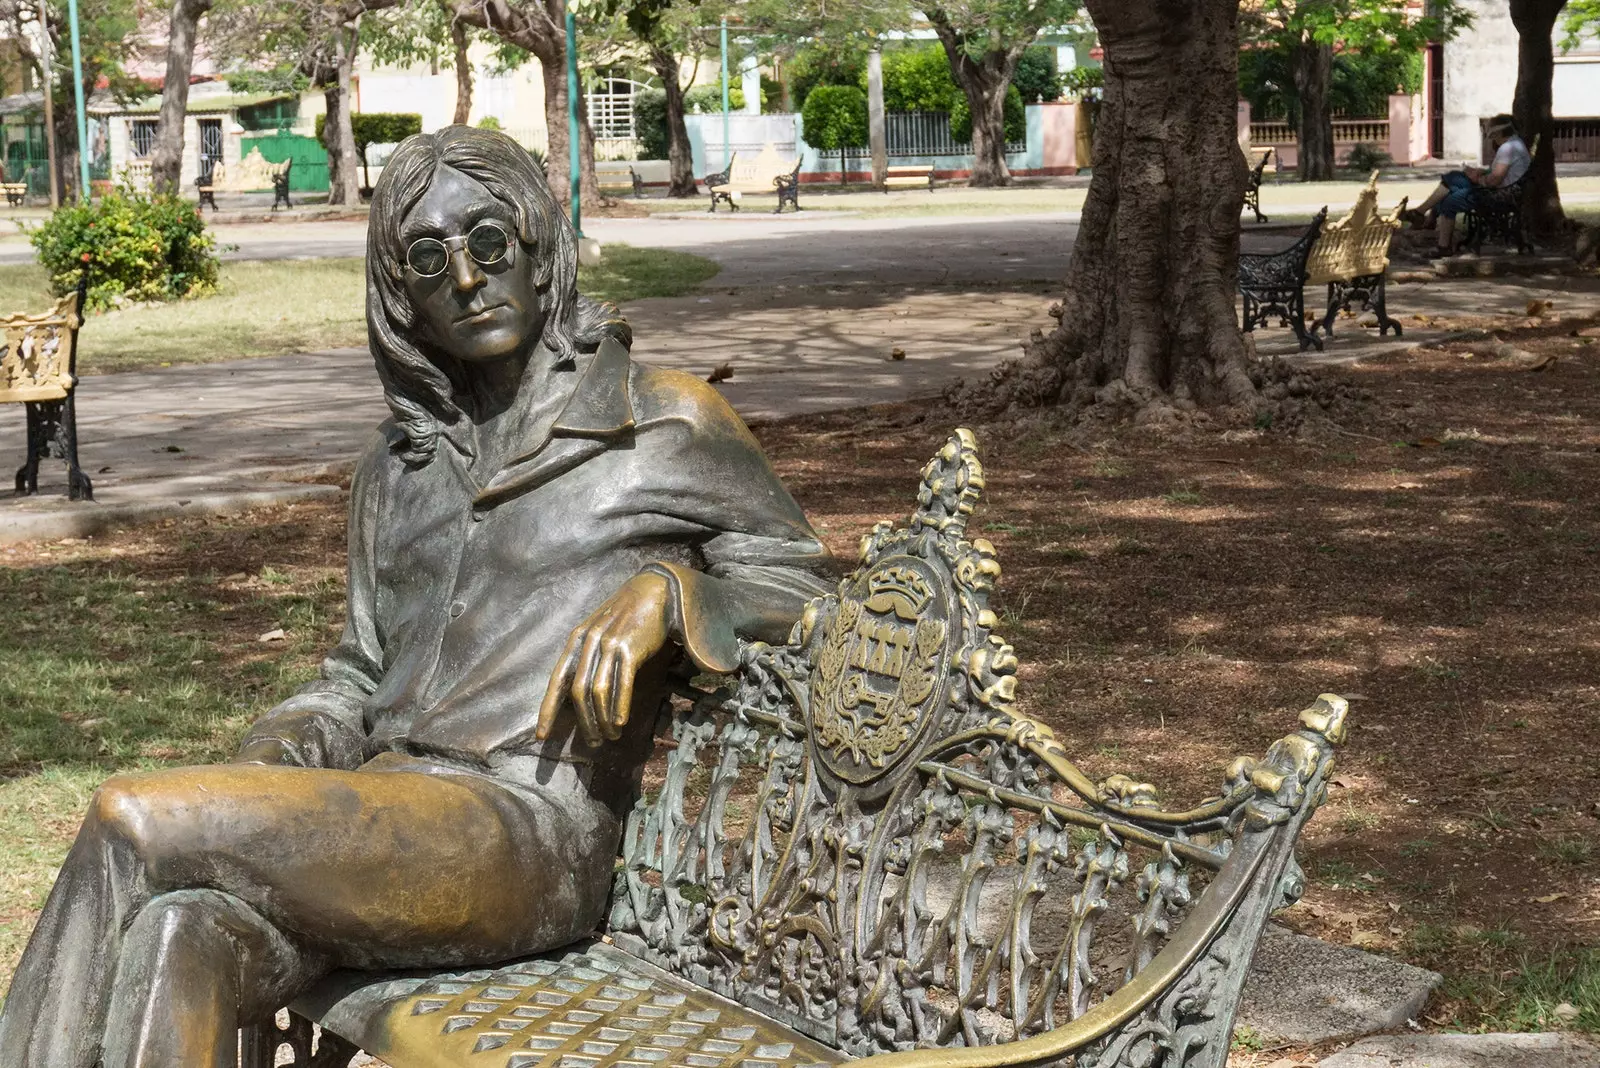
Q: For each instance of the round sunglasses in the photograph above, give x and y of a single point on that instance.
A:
(487, 244)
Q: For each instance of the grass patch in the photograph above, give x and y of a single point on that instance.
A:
(267, 308)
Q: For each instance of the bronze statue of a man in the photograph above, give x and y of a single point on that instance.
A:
(534, 536)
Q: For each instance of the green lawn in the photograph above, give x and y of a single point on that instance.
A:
(274, 307)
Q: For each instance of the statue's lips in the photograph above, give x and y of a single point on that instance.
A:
(481, 316)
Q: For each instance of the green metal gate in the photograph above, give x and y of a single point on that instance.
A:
(310, 171)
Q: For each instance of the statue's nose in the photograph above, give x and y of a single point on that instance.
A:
(465, 270)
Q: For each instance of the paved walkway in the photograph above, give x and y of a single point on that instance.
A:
(808, 318)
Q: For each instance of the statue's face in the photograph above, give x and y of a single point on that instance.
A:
(473, 310)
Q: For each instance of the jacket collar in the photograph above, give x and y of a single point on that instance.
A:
(598, 413)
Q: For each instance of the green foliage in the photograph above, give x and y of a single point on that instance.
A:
(918, 79)
(825, 64)
(380, 128)
(489, 122)
(1580, 19)
(835, 117)
(141, 249)
(280, 79)
(1016, 118)
(707, 99)
(1086, 81)
(650, 123)
(1364, 158)
(1360, 86)
(1036, 77)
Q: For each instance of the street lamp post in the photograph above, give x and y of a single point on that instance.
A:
(574, 168)
(726, 157)
(77, 92)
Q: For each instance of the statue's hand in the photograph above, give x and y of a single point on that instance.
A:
(597, 665)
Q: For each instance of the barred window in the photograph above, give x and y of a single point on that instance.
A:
(142, 133)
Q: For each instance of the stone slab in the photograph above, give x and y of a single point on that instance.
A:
(1304, 991)
(1547, 1050)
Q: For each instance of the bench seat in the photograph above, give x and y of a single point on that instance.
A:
(15, 192)
(589, 1006)
(908, 178)
(1351, 257)
(861, 849)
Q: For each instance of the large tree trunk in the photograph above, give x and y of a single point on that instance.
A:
(555, 117)
(679, 155)
(338, 133)
(166, 159)
(1313, 81)
(1534, 20)
(1147, 317)
(983, 82)
(458, 37)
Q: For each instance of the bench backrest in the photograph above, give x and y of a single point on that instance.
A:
(758, 174)
(251, 172)
(859, 835)
(1357, 244)
(36, 353)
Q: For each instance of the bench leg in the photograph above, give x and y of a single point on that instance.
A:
(53, 426)
(1337, 298)
(259, 1045)
(1297, 321)
(1380, 304)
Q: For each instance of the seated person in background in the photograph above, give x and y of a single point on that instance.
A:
(540, 537)
(1459, 190)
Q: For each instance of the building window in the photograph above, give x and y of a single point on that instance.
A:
(142, 136)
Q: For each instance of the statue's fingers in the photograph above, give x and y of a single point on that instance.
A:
(582, 686)
(600, 689)
(622, 702)
(555, 691)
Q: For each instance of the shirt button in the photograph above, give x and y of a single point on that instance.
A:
(477, 515)
(456, 608)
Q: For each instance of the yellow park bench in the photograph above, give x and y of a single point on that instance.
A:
(908, 178)
(618, 176)
(1351, 257)
(251, 173)
(39, 370)
(766, 173)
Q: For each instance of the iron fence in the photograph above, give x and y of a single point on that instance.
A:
(923, 133)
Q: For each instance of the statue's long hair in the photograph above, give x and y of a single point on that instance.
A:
(417, 378)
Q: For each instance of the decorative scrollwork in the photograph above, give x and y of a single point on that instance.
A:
(859, 835)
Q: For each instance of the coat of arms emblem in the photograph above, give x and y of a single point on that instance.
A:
(880, 672)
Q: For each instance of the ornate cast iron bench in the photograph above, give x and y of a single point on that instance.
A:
(1273, 284)
(1252, 189)
(1496, 215)
(1351, 257)
(766, 173)
(39, 370)
(249, 174)
(862, 850)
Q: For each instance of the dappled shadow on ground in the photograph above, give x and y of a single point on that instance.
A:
(1175, 605)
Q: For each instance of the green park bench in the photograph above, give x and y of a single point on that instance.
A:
(39, 370)
(861, 849)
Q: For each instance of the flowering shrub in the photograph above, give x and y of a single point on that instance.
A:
(141, 248)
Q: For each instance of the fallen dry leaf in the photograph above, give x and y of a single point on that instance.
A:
(897, 353)
(1548, 898)
(276, 635)
(720, 373)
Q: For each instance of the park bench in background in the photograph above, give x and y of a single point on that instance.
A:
(767, 173)
(1495, 215)
(1273, 284)
(1351, 257)
(15, 191)
(618, 176)
(248, 175)
(908, 178)
(1252, 189)
(860, 847)
(39, 370)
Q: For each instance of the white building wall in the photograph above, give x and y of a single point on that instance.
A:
(514, 98)
(1480, 77)
(1575, 91)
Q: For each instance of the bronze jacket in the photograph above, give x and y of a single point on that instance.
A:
(461, 595)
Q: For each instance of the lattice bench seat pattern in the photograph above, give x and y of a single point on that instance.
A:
(1351, 257)
(862, 850)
